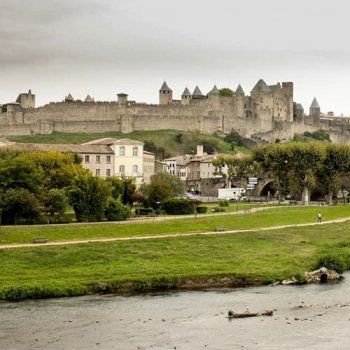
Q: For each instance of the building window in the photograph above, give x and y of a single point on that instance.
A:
(98, 159)
(97, 172)
(135, 170)
(108, 159)
(87, 159)
(122, 169)
(108, 172)
(122, 151)
(135, 151)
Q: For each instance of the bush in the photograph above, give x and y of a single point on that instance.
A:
(332, 262)
(218, 209)
(144, 211)
(178, 206)
(224, 203)
(116, 211)
(202, 210)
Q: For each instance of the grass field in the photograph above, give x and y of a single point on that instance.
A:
(250, 258)
(270, 217)
(161, 138)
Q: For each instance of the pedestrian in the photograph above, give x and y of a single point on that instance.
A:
(319, 217)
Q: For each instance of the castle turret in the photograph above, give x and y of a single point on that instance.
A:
(288, 91)
(88, 99)
(69, 98)
(262, 98)
(315, 113)
(197, 94)
(214, 91)
(239, 95)
(26, 100)
(186, 97)
(122, 98)
(239, 90)
(165, 95)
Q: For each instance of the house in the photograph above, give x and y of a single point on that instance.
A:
(107, 157)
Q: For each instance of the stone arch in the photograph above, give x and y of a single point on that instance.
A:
(267, 188)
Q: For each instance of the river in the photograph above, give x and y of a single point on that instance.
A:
(307, 317)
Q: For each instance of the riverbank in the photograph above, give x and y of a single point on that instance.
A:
(227, 260)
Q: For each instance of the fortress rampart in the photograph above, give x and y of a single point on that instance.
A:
(268, 113)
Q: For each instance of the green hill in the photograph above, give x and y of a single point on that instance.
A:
(165, 143)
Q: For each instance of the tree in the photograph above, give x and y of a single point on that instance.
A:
(117, 186)
(56, 202)
(115, 211)
(237, 167)
(234, 139)
(58, 168)
(226, 92)
(293, 166)
(88, 196)
(20, 172)
(18, 204)
(162, 187)
(129, 190)
(336, 162)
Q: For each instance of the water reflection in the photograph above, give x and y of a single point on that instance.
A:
(307, 317)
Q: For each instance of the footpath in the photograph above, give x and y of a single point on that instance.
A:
(161, 236)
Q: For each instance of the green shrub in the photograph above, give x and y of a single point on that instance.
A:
(224, 203)
(115, 211)
(202, 210)
(332, 262)
(178, 206)
(218, 209)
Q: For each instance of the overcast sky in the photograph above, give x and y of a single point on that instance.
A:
(103, 47)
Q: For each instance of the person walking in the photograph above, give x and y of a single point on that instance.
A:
(319, 217)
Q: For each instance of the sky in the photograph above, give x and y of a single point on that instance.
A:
(103, 47)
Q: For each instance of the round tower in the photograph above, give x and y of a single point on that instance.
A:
(315, 112)
(165, 95)
(186, 97)
(239, 94)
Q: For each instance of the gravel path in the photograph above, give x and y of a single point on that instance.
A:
(115, 239)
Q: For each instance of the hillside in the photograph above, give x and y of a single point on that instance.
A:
(165, 143)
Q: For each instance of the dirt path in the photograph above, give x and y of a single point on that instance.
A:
(137, 238)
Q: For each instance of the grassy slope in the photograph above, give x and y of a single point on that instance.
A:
(162, 138)
(73, 270)
(271, 217)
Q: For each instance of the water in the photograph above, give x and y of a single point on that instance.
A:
(307, 317)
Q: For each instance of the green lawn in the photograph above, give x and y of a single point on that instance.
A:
(270, 217)
(260, 257)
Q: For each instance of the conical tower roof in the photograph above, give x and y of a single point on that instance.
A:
(89, 99)
(261, 86)
(214, 90)
(186, 93)
(197, 92)
(165, 87)
(239, 90)
(69, 98)
(314, 104)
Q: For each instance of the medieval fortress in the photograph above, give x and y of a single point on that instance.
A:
(267, 114)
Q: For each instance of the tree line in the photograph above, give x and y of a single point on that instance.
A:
(39, 187)
(297, 168)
